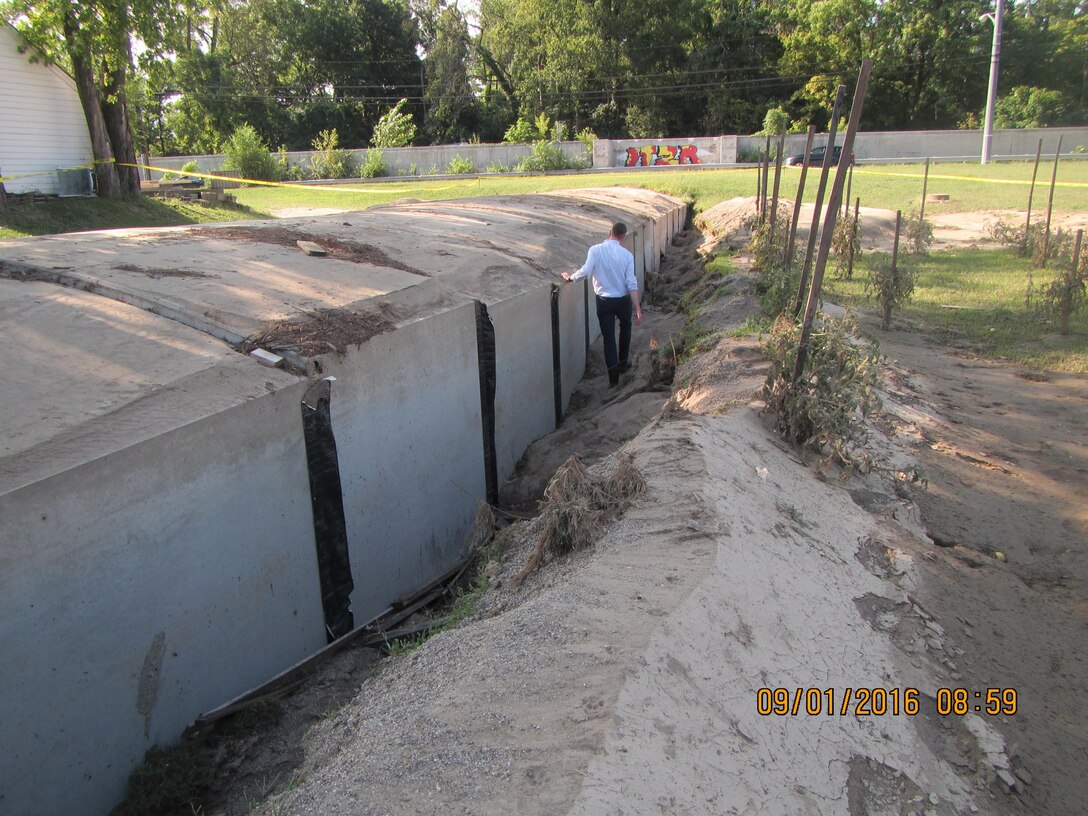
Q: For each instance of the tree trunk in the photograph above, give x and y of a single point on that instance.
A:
(109, 185)
(115, 114)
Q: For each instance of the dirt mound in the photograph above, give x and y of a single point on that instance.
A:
(726, 225)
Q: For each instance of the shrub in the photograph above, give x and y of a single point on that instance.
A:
(247, 154)
(497, 167)
(774, 121)
(587, 137)
(460, 166)
(545, 156)
(373, 164)
(887, 288)
(395, 128)
(821, 413)
(186, 169)
(287, 171)
(330, 161)
(917, 234)
(523, 131)
(1066, 294)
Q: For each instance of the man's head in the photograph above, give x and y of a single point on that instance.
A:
(619, 231)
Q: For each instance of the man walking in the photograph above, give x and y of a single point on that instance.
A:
(613, 269)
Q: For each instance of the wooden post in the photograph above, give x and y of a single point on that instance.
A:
(1050, 203)
(797, 199)
(777, 180)
(925, 188)
(3, 193)
(846, 198)
(766, 179)
(829, 222)
(814, 230)
(759, 187)
(856, 231)
(1031, 194)
(1072, 283)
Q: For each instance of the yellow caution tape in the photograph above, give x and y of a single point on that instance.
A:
(87, 166)
(382, 188)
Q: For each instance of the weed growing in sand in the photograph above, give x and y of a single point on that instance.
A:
(821, 413)
(792, 513)
(576, 506)
(754, 324)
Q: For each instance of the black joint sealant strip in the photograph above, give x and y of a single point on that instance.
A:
(557, 372)
(585, 291)
(327, 498)
(485, 355)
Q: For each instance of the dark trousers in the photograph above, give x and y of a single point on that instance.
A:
(609, 310)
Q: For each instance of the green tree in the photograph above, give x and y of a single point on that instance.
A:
(292, 69)
(1028, 107)
(452, 110)
(586, 64)
(395, 128)
(92, 40)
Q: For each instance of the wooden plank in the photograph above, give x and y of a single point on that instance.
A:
(310, 248)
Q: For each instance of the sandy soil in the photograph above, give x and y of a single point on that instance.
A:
(625, 679)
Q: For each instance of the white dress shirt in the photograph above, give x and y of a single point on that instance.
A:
(612, 267)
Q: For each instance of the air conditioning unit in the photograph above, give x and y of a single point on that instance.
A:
(75, 183)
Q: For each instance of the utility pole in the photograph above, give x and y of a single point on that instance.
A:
(991, 96)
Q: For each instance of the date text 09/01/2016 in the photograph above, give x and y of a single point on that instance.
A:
(877, 702)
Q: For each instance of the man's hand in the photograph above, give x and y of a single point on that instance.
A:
(638, 317)
(566, 276)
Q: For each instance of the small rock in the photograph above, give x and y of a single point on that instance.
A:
(934, 799)
(1024, 776)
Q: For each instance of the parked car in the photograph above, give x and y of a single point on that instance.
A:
(816, 157)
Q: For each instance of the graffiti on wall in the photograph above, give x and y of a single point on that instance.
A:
(660, 154)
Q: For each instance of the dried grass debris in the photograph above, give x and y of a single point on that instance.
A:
(576, 506)
(322, 331)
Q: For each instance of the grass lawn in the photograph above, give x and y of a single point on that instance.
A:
(988, 289)
(996, 186)
(79, 214)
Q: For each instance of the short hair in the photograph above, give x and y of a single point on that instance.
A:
(619, 229)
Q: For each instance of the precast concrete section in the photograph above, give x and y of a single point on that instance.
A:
(164, 518)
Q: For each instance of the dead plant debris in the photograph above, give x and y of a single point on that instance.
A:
(322, 331)
(576, 506)
(352, 251)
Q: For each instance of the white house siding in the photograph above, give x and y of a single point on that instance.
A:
(42, 127)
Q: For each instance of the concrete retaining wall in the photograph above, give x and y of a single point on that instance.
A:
(143, 588)
(939, 144)
(406, 417)
(162, 577)
(524, 393)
